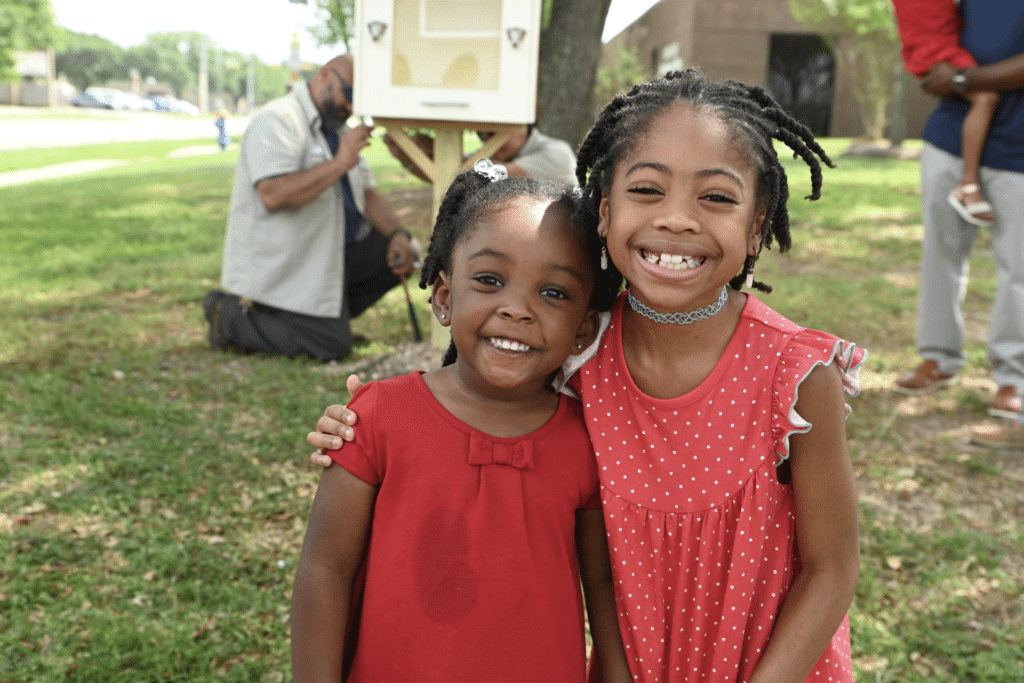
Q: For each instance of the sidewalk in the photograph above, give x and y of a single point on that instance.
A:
(27, 127)
(37, 127)
(70, 168)
(30, 175)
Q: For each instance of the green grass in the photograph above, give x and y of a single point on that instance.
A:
(154, 493)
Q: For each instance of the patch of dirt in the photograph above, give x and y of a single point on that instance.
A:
(404, 359)
(880, 149)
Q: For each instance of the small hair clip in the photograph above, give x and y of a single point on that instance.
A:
(490, 170)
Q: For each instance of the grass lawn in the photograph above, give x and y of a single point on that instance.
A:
(153, 494)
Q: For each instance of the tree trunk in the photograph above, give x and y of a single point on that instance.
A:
(570, 49)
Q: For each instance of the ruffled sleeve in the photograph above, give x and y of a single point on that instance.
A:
(806, 350)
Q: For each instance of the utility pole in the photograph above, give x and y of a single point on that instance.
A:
(250, 85)
(218, 56)
(204, 74)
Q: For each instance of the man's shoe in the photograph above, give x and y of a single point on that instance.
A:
(923, 379)
(211, 306)
(1007, 434)
(1006, 403)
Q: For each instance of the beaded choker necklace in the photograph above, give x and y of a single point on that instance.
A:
(678, 318)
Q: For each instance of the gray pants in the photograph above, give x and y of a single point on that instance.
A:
(948, 240)
(284, 333)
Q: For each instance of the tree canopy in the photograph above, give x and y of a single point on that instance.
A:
(170, 59)
(866, 40)
(24, 25)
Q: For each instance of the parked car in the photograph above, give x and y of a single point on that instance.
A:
(86, 99)
(173, 105)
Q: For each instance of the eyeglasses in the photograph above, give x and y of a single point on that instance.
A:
(346, 87)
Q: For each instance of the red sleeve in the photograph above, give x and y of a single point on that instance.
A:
(930, 32)
(360, 457)
(806, 350)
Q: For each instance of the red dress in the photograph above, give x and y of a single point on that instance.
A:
(471, 571)
(930, 33)
(701, 532)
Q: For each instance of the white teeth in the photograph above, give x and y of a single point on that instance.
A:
(508, 344)
(674, 261)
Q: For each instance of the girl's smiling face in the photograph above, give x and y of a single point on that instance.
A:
(517, 298)
(681, 214)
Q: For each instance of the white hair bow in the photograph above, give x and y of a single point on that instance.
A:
(490, 170)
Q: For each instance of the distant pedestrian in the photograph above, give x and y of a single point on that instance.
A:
(223, 139)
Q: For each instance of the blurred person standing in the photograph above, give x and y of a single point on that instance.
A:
(993, 32)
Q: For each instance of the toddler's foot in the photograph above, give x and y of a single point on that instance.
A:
(969, 202)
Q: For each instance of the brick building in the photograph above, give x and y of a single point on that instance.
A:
(756, 41)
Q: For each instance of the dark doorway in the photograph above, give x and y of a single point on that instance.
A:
(801, 77)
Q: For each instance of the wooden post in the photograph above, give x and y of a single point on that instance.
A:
(447, 159)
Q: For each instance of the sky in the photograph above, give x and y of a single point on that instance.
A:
(264, 27)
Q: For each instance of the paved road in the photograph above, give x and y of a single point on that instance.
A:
(25, 127)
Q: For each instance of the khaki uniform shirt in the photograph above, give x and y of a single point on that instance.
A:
(546, 158)
(292, 259)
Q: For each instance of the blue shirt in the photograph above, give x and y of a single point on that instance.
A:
(351, 212)
(993, 30)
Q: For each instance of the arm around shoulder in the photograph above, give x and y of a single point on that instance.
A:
(334, 427)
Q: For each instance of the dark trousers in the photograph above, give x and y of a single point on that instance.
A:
(256, 327)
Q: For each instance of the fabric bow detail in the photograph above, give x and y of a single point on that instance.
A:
(483, 451)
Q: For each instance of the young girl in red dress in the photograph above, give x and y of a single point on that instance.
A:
(469, 490)
(930, 33)
(718, 424)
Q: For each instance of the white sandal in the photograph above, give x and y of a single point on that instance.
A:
(969, 212)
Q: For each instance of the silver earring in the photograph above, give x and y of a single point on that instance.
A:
(604, 258)
(750, 272)
(443, 316)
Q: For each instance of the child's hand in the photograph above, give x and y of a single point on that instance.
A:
(939, 80)
(333, 428)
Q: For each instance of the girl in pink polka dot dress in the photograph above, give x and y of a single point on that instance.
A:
(718, 425)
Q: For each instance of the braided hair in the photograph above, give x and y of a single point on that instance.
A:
(473, 197)
(748, 110)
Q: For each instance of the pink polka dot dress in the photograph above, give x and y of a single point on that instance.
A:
(701, 531)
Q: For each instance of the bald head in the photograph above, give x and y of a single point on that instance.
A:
(344, 64)
(331, 89)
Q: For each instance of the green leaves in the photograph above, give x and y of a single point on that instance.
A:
(24, 25)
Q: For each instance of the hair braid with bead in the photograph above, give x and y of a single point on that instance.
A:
(755, 119)
(472, 198)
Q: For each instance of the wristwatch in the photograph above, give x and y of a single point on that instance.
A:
(960, 82)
